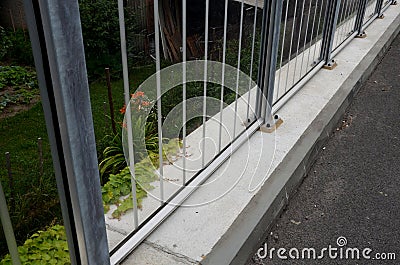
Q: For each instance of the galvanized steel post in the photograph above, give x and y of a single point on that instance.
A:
(332, 13)
(268, 57)
(378, 8)
(56, 37)
(360, 19)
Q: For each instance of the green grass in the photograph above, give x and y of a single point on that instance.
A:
(35, 196)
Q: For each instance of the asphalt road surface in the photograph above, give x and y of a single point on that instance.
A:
(351, 197)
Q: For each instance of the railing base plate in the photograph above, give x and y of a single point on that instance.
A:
(330, 65)
(361, 35)
(271, 128)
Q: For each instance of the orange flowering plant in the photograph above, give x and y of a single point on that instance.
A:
(143, 128)
(139, 102)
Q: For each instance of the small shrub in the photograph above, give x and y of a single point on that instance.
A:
(17, 77)
(22, 83)
(120, 185)
(5, 43)
(17, 47)
(117, 191)
(113, 159)
(44, 247)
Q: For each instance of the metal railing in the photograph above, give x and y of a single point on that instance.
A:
(281, 44)
(300, 43)
(346, 22)
(370, 11)
(297, 39)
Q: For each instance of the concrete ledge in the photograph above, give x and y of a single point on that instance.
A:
(230, 229)
(300, 158)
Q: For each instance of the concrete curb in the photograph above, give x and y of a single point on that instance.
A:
(298, 161)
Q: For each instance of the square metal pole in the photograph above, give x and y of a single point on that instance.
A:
(56, 37)
(360, 19)
(378, 8)
(331, 15)
(268, 57)
(262, 59)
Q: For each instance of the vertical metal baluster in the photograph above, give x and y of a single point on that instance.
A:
(298, 43)
(312, 33)
(341, 13)
(282, 49)
(371, 8)
(10, 179)
(184, 90)
(347, 20)
(159, 114)
(128, 109)
(342, 28)
(360, 17)
(40, 153)
(378, 8)
(105, 116)
(350, 18)
(252, 59)
(238, 67)
(205, 83)
(272, 26)
(352, 14)
(329, 31)
(367, 13)
(8, 229)
(319, 22)
(359, 6)
(291, 45)
(223, 74)
(305, 39)
(370, 12)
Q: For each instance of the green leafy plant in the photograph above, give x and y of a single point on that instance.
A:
(18, 85)
(44, 247)
(113, 159)
(117, 191)
(120, 185)
(17, 47)
(5, 43)
(113, 156)
(143, 127)
(18, 77)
